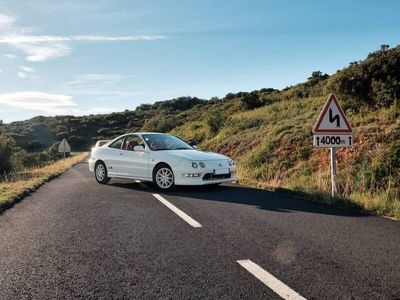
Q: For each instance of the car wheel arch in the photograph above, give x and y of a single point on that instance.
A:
(99, 161)
(161, 163)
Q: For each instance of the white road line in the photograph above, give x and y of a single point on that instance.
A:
(271, 281)
(176, 210)
(141, 184)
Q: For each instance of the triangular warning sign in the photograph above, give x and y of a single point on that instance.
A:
(332, 118)
(64, 146)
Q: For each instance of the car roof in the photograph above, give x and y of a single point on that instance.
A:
(140, 133)
(148, 132)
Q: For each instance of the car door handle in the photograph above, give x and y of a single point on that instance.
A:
(121, 153)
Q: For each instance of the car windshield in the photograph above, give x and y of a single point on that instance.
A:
(158, 142)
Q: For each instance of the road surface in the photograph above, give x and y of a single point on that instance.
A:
(74, 238)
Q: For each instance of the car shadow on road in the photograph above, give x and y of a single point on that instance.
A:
(263, 199)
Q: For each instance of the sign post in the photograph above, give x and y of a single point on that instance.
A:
(64, 147)
(332, 130)
(333, 171)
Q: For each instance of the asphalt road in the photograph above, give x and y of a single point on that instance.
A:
(74, 238)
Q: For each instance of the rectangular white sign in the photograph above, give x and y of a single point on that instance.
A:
(333, 140)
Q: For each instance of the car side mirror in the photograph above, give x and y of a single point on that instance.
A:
(138, 148)
(194, 146)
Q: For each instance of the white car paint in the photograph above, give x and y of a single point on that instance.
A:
(140, 164)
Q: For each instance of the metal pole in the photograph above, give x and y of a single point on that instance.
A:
(333, 170)
(64, 154)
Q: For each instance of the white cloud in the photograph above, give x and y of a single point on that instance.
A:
(39, 48)
(85, 80)
(21, 74)
(6, 20)
(27, 69)
(25, 72)
(38, 52)
(39, 101)
(18, 39)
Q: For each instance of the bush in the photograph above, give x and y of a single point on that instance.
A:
(250, 101)
(34, 146)
(374, 81)
(77, 143)
(389, 167)
(394, 111)
(158, 124)
(215, 121)
(7, 146)
(20, 160)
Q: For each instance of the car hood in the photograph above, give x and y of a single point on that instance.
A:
(194, 155)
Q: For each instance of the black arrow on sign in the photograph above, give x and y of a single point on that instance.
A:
(334, 118)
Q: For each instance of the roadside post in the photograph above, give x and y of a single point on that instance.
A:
(64, 147)
(332, 130)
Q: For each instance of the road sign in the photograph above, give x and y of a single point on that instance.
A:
(332, 130)
(333, 140)
(332, 119)
(64, 147)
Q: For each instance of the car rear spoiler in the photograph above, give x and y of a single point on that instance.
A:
(101, 143)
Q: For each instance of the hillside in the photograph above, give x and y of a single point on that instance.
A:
(268, 131)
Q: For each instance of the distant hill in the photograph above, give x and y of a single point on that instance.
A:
(268, 131)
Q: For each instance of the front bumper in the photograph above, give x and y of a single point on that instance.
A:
(91, 163)
(206, 176)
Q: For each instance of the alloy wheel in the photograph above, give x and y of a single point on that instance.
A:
(100, 172)
(164, 178)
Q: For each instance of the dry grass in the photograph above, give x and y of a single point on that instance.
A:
(29, 180)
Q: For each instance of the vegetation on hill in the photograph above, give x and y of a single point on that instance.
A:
(267, 131)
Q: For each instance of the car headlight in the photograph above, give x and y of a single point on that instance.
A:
(231, 162)
(195, 165)
(201, 164)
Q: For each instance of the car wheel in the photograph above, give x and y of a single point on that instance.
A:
(163, 177)
(100, 173)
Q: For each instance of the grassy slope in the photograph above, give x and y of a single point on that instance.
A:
(273, 148)
(30, 180)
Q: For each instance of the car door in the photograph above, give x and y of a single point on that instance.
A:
(112, 157)
(134, 164)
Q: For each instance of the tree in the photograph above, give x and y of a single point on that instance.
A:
(317, 76)
(384, 47)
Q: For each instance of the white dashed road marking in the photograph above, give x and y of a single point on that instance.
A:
(271, 281)
(176, 210)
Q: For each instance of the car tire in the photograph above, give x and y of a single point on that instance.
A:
(163, 177)
(100, 173)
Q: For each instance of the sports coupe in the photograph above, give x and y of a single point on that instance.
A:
(160, 158)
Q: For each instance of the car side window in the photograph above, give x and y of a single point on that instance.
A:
(117, 144)
(131, 141)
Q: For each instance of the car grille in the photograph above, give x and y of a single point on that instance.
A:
(211, 176)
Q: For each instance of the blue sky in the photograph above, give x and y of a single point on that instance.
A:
(82, 57)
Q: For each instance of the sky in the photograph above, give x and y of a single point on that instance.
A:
(90, 57)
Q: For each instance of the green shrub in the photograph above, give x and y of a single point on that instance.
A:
(374, 81)
(215, 121)
(7, 146)
(34, 146)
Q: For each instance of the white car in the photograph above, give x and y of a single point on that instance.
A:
(160, 158)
